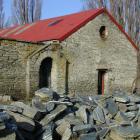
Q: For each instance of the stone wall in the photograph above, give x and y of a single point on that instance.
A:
(75, 65)
(13, 62)
(20, 64)
(57, 71)
(86, 51)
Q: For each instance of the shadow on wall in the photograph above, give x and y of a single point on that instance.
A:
(45, 73)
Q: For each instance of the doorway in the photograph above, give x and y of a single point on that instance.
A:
(101, 77)
(45, 73)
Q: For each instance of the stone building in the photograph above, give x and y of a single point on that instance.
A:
(82, 53)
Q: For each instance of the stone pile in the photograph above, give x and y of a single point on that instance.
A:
(54, 117)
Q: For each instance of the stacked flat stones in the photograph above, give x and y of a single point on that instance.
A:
(54, 117)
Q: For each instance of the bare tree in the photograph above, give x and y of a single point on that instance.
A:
(8, 22)
(26, 11)
(93, 4)
(1, 14)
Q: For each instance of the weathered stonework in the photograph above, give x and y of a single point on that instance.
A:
(75, 65)
(85, 51)
(14, 56)
(57, 73)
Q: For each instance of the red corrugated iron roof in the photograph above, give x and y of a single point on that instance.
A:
(58, 28)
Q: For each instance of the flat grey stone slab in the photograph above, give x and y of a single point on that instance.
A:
(128, 131)
(122, 107)
(44, 91)
(48, 133)
(114, 136)
(27, 110)
(120, 117)
(121, 98)
(134, 98)
(73, 120)
(89, 136)
(132, 108)
(14, 108)
(11, 108)
(82, 114)
(111, 106)
(42, 106)
(102, 133)
(62, 102)
(49, 117)
(46, 94)
(98, 114)
(130, 115)
(83, 128)
(67, 134)
(62, 127)
(131, 104)
(38, 105)
(50, 106)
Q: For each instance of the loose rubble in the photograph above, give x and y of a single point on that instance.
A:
(53, 117)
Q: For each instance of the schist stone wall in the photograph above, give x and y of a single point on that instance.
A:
(87, 52)
(58, 70)
(20, 65)
(75, 62)
(13, 65)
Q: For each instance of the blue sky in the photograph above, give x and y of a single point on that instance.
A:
(52, 8)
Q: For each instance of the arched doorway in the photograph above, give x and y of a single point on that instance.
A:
(45, 73)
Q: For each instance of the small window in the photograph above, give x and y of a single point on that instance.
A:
(103, 32)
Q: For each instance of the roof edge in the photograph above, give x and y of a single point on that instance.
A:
(102, 10)
(82, 24)
(121, 29)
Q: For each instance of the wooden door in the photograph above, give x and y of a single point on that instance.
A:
(101, 74)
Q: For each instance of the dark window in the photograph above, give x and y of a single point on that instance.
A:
(45, 73)
(103, 32)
